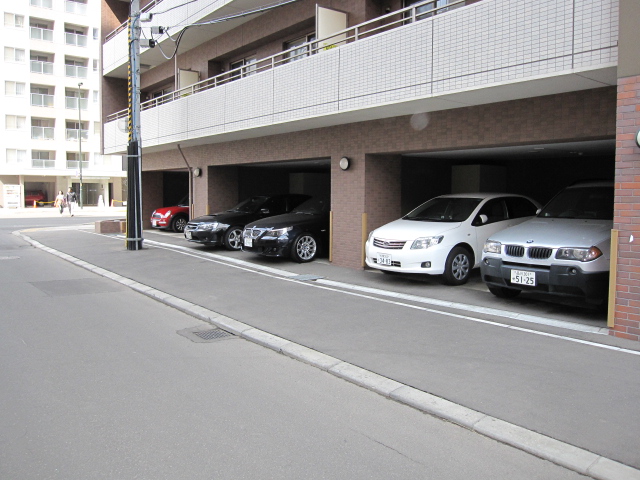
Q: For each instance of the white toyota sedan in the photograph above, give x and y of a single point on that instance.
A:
(445, 235)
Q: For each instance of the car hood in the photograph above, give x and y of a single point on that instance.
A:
(411, 229)
(229, 218)
(288, 220)
(557, 232)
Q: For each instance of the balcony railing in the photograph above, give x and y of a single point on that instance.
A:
(42, 133)
(75, 39)
(367, 29)
(75, 7)
(41, 3)
(41, 100)
(146, 8)
(42, 163)
(75, 164)
(37, 33)
(72, 102)
(75, 71)
(41, 67)
(72, 134)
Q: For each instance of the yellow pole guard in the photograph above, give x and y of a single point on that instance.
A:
(331, 236)
(613, 276)
(364, 239)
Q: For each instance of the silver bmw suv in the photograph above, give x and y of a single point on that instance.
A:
(564, 250)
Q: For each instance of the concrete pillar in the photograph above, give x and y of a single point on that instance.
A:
(222, 188)
(152, 188)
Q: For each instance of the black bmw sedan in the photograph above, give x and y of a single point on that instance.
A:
(225, 228)
(299, 234)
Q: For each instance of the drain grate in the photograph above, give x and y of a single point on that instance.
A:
(306, 278)
(205, 334)
(214, 334)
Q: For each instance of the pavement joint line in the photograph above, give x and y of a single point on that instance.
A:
(558, 452)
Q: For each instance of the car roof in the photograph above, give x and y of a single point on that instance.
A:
(592, 183)
(482, 195)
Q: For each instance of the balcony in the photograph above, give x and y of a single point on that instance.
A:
(75, 71)
(42, 133)
(75, 164)
(75, 7)
(72, 134)
(466, 56)
(37, 33)
(42, 163)
(41, 100)
(72, 103)
(41, 3)
(75, 39)
(45, 68)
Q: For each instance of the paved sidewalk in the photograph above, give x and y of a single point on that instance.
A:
(51, 212)
(572, 403)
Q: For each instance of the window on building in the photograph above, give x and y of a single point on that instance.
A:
(95, 65)
(96, 96)
(43, 159)
(73, 160)
(74, 35)
(14, 54)
(301, 47)
(73, 96)
(41, 30)
(41, 3)
(96, 33)
(75, 68)
(243, 68)
(15, 156)
(13, 20)
(425, 10)
(41, 96)
(15, 122)
(97, 128)
(41, 63)
(14, 89)
(42, 128)
(76, 6)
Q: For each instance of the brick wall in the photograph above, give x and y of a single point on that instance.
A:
(627, 210)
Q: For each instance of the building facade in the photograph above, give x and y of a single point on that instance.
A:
(423, 99)
(51, 105)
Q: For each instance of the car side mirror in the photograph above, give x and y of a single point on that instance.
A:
(480, 220)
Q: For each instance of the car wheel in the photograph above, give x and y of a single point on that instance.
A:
(305, 248)
(178, 223)
(457, 267)
(233, 238)
(504, 292)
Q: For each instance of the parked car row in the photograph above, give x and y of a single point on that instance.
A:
(561, 249)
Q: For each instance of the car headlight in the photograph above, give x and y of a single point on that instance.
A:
(277, 232)
(579, 254)
(166, 214)
(426, 242)
(491, 246)
(208, 226)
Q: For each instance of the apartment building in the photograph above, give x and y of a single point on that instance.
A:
(51, 105)
(383, 104)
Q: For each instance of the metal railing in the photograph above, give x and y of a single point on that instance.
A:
(75, 7)
(358, 32)
(72, 134)
(41, 3)
(146, 8)
(75, 71)
(72, 102)
(42, 133)
(75, 39)
(42, 163)
(75, 164)
(41, 100)
(37, 33)
(41, 67)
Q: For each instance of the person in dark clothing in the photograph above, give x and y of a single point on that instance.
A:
(72, 200)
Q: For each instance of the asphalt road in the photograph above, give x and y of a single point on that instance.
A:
(97, 383)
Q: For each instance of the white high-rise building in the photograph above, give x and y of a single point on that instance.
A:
(50, 109)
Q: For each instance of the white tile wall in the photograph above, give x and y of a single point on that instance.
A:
(493, 42)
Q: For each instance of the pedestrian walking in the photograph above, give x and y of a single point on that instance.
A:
(60, 201)
(71, 200)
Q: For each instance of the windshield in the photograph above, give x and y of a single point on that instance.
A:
(312, 206)
(584, 202)
(444, 209)
(249, 205)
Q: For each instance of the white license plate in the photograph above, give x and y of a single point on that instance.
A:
(188, 234)
(384, 259)
(154, 223)
(248, 242)
(522, 277)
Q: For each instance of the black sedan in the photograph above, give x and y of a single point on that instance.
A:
(225, 228)
(299, 234)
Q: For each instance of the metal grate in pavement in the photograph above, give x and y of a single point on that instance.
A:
(205, 334)
(306, 278)
(213, 334)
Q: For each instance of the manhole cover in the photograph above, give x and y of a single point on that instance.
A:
(205, 334)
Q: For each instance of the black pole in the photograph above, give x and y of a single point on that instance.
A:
(134, 198)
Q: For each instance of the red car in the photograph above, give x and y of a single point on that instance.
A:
(173, 218)
(31, 196)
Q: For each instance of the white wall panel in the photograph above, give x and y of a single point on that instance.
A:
(249, 101)
(206, 113)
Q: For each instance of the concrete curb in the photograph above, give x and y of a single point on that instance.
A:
(555, 451)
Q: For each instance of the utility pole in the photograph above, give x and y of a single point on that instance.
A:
(80, 142)
(134, 160)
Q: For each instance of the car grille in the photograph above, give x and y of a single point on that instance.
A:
(156, 215)
(538, 253)
(388, 244)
